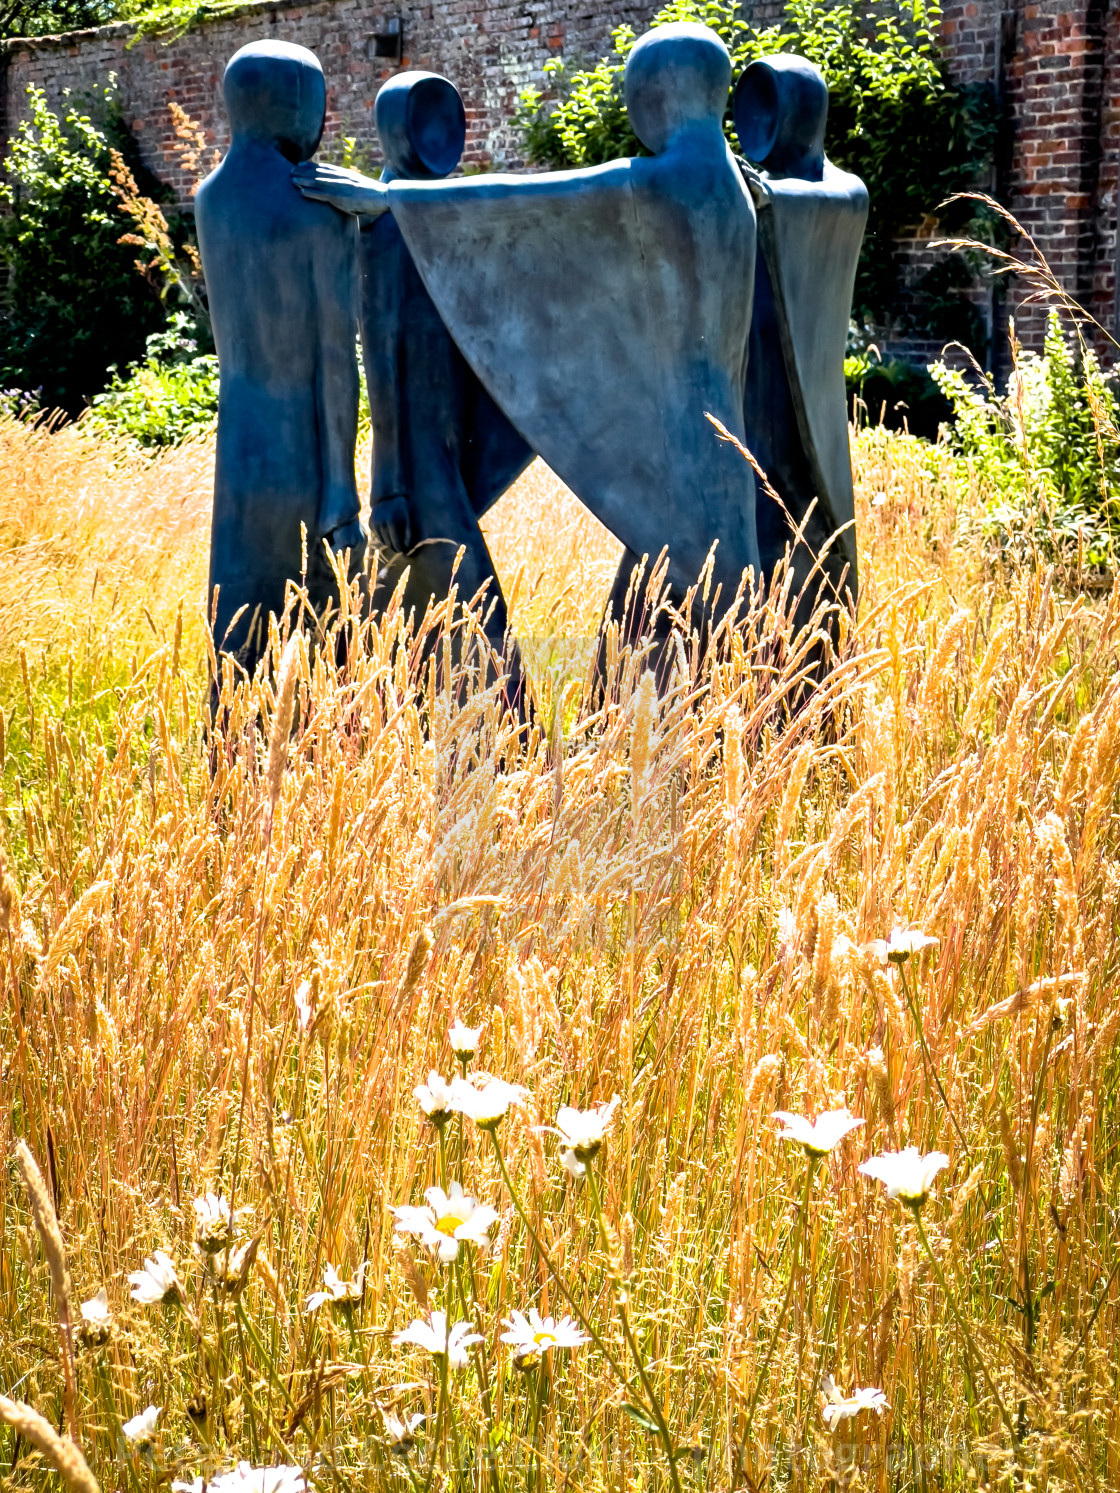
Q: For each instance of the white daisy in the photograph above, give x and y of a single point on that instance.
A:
(141, 1429)
(532, 1336)
(838, 1407)
(573, 1166)
(907, 1175)
(464, 1040)
(487, 1101)
(435, 1338)
(230, 1268)
(450, 1219)
(214, 1224)
(436, 1098)
(821, 1136)
(157, 1282)
(339, 1293)
(246, 1479)
(400, 1432)
(583, 1131)
(903, 944)
(97, 1320)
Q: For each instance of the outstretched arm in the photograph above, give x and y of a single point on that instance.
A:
(348, 191)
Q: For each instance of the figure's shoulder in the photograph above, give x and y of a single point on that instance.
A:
(506, 186)
(209, 189)
(694, 173)
(844, 183)
(835, 186)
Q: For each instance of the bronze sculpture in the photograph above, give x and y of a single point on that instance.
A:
(596, 316)
(443, 453)
(281, 273)
(607, 310)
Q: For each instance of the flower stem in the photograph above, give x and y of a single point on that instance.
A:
(439, 1426)
(802, 1215)
(635, 1352)
(534, 1472)
(931, 1071)
(481, 1370)
(444, 1374)
(580, 1314)
(958, 1317)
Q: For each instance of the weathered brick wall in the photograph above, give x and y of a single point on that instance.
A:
(490, 48)
(1057, 65)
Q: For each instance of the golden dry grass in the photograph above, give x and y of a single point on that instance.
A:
(671, 904)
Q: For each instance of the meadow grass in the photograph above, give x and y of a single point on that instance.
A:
(228, 961)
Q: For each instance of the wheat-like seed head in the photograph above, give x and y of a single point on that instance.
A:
(58, 1451)
(46, 1221)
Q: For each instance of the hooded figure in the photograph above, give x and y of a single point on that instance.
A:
(281, 275)
(811, 218)
(607, 310)
(443, 453)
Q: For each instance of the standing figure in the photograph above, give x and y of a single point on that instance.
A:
(443, 453)
(607, 310)
(281, 274)
(811, 218)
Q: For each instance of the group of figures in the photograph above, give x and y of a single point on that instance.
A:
(596, 318)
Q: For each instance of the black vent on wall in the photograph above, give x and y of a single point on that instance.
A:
(390, 42)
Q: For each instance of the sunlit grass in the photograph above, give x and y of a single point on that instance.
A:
(226, 970)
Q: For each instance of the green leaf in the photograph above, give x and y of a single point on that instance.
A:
(642, 1416)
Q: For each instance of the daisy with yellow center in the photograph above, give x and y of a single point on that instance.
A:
(532, 1336)
(450, 1219)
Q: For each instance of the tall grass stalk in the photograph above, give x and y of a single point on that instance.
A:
(666, 899)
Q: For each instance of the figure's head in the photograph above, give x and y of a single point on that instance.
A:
(780, 110)
(677, 75)
(422, 125)
(275, 93)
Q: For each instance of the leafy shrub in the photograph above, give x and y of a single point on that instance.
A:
(79, 302)
(895, 117)
(171, 394)
(896, 394)
(19, 404)
(1049, 448)
(47, 17)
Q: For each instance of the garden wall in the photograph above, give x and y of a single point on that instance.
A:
(491, 50)
(1056, 65)
(1055, 62)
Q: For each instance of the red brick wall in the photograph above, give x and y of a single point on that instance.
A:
(491, 50)
(1058, 64)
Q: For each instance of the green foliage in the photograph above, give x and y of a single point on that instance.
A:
(895, 117)
(76, 303)
(170, 395)
(170, 18)
(897, 394)
(1049, 448)
(47, 17)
